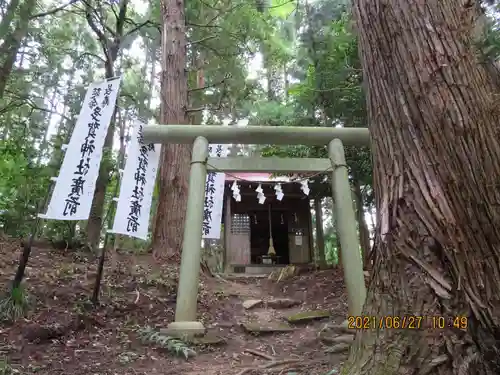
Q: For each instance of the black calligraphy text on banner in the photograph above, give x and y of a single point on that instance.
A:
(86, 150)
(209, 193)
(140, 182)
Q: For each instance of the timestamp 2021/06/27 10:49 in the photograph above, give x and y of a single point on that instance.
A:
(406, 322)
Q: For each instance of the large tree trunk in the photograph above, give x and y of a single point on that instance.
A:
(433, 115)
(8, 18)
(174, 163)
(271, 75)
(12, 43)
(96, 216)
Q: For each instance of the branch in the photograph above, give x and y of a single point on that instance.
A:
(34, 107)
(209, 86)
(192, 24)
(90, 54)
(136, 28)
(199, 109)
(210, 6)
(103, 40)
(100, 35)
(259, 354)
(146, 23)
(53, 11)
(81, 56)
(120, 20)
(19, 101)
(202, 40)
(220, 54)
(219, 105)
(214, 18)
(280, 5)
(114, 11)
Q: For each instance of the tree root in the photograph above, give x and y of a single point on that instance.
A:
(338, 348)
(219, 277)
(260, 354)
(337, 328)
(347, 339)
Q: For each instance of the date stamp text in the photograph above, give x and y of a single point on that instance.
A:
(406, 322)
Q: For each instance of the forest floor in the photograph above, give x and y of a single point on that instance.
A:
(62, 335)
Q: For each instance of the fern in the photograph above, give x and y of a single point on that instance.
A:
(173, 345)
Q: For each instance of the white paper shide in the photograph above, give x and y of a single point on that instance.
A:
(75, 185)
(137, 186)
(214, 196)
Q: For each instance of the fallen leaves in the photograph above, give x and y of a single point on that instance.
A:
(141, 293)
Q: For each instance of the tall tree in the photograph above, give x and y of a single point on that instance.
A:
(174, 162)
(433, 115)
(112, 40)
(13, 40)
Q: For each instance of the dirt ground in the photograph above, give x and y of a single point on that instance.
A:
(137, 293)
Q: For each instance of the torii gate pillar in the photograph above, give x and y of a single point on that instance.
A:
(189, 273)
(346, 229)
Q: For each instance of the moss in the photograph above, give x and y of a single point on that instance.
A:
(307, 316)
(266, 327)
(208, 339)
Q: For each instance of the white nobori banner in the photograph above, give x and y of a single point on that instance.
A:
(214, 196)
(75, 185)
(137, 186)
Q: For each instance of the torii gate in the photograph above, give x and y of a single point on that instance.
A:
(200, 136)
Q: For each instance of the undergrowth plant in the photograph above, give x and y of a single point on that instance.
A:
(174, 345)
(5, 368)
(14, 305)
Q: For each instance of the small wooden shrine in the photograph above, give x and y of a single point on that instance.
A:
(248, 225)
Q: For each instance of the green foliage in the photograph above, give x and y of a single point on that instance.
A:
(270, 113)
(331, 249)
(330, 85)
(5, 368)
(14, 306)
(175, 346)
(21, 184)
(489, 43)
(282, 8)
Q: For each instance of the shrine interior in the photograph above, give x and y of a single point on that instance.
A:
(259, 236)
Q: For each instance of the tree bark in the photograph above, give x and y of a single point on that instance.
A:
(271, 75)
(364, 233)
(337, 237)
(433, 114)
(320, 237)
(12, 43)
(111, 50)
(8, 18)
(174, 162)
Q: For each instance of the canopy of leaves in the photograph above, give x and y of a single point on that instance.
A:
(307, 53)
